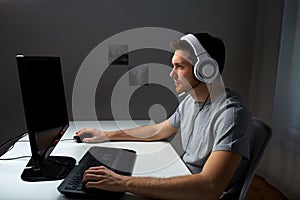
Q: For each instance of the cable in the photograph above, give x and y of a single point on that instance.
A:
(68, 139)
(12, 146)
(193, 127)
(12, 139)
(15, 158)
(23, 141)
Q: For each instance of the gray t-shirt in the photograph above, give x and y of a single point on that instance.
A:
(221, 124)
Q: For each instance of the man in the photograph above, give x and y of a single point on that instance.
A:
(215, 126)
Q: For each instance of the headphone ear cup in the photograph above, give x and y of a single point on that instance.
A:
(206, 69)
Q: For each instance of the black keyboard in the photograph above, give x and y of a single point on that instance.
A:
(120, 161)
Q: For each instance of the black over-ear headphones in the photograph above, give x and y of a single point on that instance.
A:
(206, 68)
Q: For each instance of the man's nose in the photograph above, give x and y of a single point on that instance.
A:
(172, 73)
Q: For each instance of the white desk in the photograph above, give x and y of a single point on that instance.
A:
(157, 159)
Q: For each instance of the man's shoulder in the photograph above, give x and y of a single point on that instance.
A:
(234, 97)
(232, 103)
(231, 93)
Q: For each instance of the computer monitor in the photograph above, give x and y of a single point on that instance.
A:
(46, 116)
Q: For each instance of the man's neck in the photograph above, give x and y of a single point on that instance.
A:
(200, 93)
(208, 91)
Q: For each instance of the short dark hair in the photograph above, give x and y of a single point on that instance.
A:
(214, 47)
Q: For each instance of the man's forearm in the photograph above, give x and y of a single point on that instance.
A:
(143, 133)
(183, 187)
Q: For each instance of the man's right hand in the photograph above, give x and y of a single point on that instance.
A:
(92, 135)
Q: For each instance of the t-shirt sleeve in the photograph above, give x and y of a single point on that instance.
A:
(175, 118)
(233, 130)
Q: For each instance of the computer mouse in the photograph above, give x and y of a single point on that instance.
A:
(79, 139)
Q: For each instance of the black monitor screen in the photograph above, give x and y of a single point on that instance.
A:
(44, 103)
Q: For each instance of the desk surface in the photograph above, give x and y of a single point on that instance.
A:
(157, 159)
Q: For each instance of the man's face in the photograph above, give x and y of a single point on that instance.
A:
(182, 72)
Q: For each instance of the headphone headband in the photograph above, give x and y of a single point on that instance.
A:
(195, 44)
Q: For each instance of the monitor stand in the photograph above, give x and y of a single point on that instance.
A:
(54, 168)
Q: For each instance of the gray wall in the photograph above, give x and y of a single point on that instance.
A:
(71, 29)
